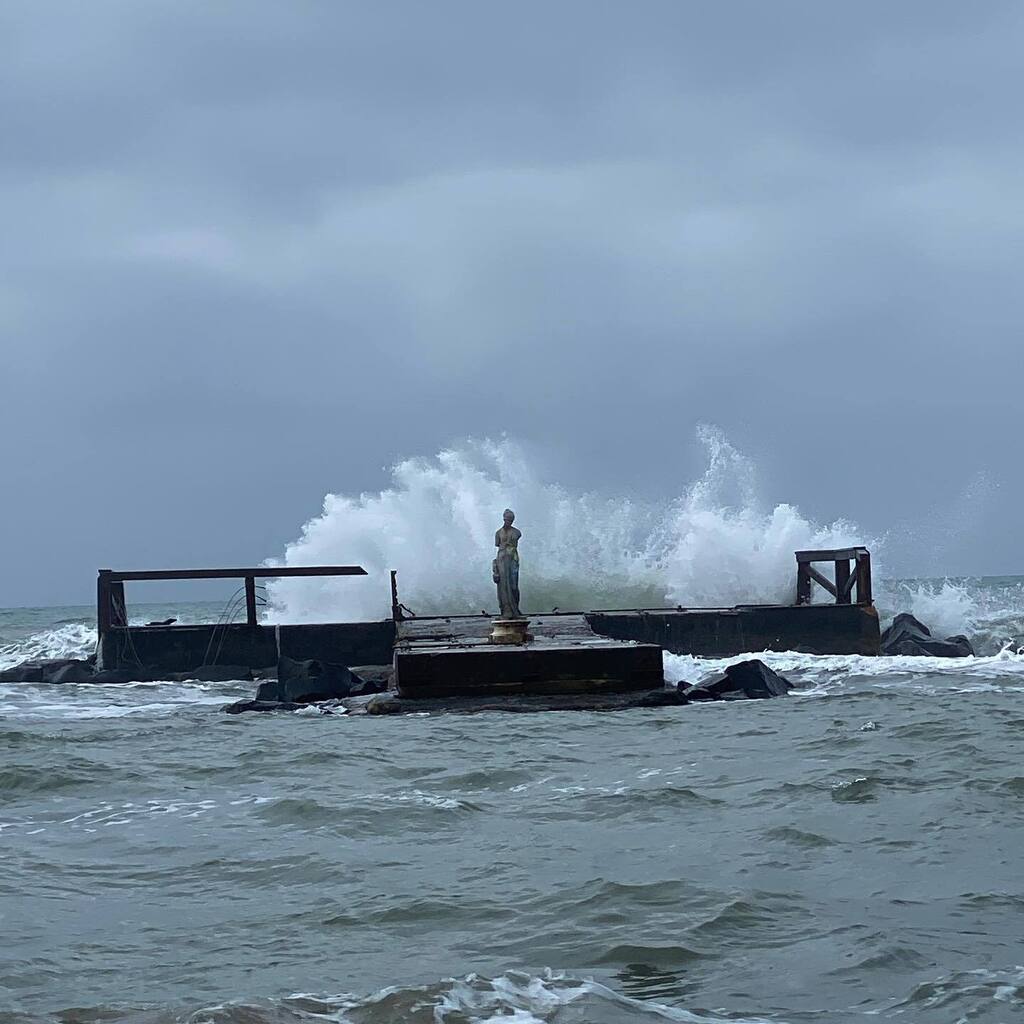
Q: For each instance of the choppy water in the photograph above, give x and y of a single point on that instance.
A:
(849, 853)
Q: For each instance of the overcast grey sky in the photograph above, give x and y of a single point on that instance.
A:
(253, 251)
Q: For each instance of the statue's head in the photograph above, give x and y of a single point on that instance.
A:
(509, 516)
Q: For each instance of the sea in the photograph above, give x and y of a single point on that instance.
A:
(850, 853)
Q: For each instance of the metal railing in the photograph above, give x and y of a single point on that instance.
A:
(111, 611)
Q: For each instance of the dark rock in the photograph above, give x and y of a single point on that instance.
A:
(379, 677)
(910, 636)
(214, 674)
(746, 680)
(47, 670)
(667, 698)
(384, 704)
(113, 676)
(304, 682)
(71, 672)
(364, 687)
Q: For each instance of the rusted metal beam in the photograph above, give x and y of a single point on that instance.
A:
(103, 607)
(258, 572)
(396, 607)
(250, 601)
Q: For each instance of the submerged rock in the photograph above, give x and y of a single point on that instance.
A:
(910, 636)
(42, 670)
(71, 672)
(667, 698)
(213, 674)
(746, 680)
(304, 682)
(261, 705)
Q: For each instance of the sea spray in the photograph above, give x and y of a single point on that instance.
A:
(714, 545)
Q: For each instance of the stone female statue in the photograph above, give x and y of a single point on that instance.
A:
(505, 569)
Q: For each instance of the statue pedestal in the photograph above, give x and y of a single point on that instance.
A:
(510, 631)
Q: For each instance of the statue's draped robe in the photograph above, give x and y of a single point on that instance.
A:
(507, 570)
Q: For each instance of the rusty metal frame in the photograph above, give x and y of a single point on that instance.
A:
(110, 603)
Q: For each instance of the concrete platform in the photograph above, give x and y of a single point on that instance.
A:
(708, 632)
(453, 658)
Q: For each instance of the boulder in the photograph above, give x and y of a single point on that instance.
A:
(47, 669)
(910, 636)
(667, 698)
(371, 679)
(303, 682)
(746, 680)
(71, 672)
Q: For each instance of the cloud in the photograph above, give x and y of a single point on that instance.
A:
(286, 245)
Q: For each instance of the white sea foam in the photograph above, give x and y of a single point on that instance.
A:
(716, 544)
(70, 702)
(71, 640)
(513, 996)
(818, 675)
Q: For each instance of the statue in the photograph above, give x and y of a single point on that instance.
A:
(505, 568)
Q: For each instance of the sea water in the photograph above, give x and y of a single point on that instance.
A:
(849, 853)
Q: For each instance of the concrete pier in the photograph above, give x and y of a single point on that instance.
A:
(604, 647)
(715, 632)
(453, 657)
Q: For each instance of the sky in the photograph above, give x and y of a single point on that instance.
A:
(252, 252)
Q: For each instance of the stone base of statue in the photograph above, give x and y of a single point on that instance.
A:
(510, 631)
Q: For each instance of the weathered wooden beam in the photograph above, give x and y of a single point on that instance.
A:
(803, 583)
(864, 577)
(843, 581)
(823, 581)
(831, 555)
(259, 572)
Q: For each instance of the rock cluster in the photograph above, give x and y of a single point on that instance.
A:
(83, 670)
(907, 635)
(746, 680)
(313, 681)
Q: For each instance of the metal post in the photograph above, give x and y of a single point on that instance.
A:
(396, 608)
(103, 601)
(250, 601)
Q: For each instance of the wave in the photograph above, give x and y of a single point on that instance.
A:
(71, 640)
(717, 544)
(714, 545)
